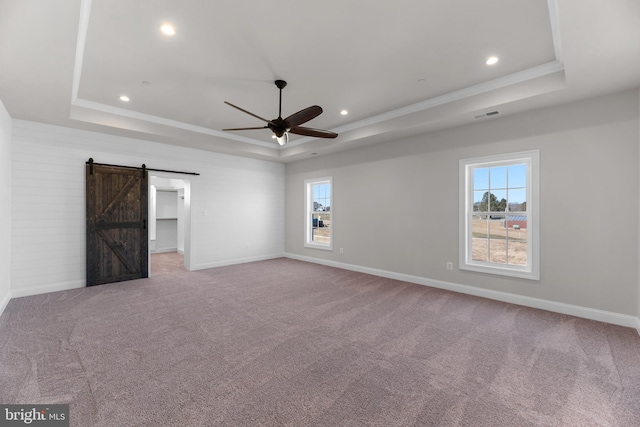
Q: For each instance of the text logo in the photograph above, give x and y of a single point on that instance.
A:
(34, 415)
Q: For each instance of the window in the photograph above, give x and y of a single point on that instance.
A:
(499, 215)
(317, 223)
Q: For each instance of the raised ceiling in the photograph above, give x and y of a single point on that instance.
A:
(400, 68)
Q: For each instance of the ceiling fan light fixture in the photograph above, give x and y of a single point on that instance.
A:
(282, 139)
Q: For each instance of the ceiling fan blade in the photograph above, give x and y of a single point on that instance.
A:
(303, 116)
(245, 111)
(318, 133)
(261, 127)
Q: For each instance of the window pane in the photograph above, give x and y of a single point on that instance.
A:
(517, 200)
(518, 175)
(498, 177)
(477, 201)
(498, 250)
(517, 229)
(516, 222)
(480, 232)
(498, 200)
(481, 179)
(483, 197)
(320, 223)
(321, 197)
(497, 239)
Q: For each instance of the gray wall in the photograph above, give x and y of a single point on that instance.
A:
(395, 205)
(5, 206)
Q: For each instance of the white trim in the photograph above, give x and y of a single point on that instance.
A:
(45, 289)
(554, 18)
(557, 307)
(83, 26)
(235, 261)
(4, 302)
(638, 325)
(541, 70)
(96, 106)
(465, 189)
(447, 98)
(76, 284)
(163, 250)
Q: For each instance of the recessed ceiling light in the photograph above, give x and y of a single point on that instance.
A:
(344, 112)
(168, 29)
(124, 98)
(492, 60)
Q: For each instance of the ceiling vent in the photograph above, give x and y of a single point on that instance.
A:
(487, 114)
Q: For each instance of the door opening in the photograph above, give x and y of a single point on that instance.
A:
(169, 223)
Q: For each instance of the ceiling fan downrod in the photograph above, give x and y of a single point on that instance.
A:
(280, 84)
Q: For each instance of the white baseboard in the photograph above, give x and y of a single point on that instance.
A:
(557, 307)
(236, 261)
(63, 286)
(164, 250)
(4, 302)
(43, 289)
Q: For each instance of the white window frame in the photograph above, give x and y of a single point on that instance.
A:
(308, 212)
(532, 160)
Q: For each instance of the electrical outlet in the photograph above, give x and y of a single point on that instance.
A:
(341, 250)
(449, 265)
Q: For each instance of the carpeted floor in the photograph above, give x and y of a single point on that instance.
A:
(167, 262)
(284, 342)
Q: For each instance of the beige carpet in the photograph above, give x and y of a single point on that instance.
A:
(167, 262)
(283, 342)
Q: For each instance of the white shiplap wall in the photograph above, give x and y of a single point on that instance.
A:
(243, 198)
(5, 207)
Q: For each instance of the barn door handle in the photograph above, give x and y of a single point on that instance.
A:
(144, 224)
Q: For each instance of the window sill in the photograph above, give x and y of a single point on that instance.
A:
(501, 271)
(323, 247)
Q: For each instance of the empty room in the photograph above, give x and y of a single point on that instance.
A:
(347, 213)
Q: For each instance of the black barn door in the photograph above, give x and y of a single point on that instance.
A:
(117, 234)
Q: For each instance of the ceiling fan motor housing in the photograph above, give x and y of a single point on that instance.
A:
(278, 126)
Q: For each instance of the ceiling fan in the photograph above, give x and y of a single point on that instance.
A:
(281, 128)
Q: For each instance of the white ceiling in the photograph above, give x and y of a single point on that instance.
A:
(399, 67)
